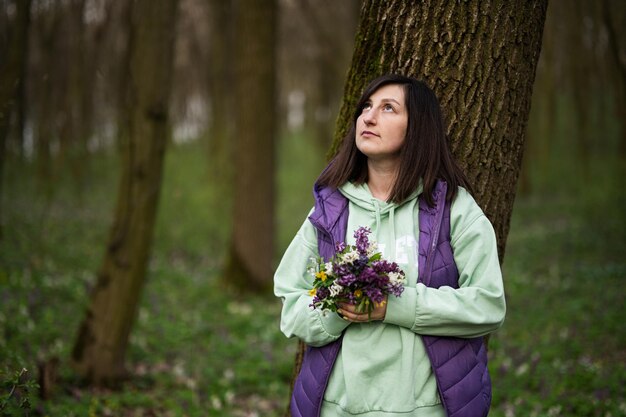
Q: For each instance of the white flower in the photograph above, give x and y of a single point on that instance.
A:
(372, 248)
(328, 267)
(335, 289)
(350, 257)
(396, 277)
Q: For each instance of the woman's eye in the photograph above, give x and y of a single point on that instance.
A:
(366, 106)
(388, 107)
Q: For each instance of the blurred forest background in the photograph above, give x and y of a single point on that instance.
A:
(204, 342)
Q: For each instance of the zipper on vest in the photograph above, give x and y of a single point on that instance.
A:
(429, 259)
(441, 201)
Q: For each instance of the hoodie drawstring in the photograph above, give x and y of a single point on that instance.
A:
(391, 252)
(392, 227)
(377, 212)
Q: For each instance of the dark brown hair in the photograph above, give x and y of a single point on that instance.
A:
(425, 154)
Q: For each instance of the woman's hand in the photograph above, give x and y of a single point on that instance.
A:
(348, 312)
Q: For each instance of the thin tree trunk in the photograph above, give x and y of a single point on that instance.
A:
(221, 80)
(250, 258)
(74, 147)
(12, 72)
(330, 71)
(21, 104)
(480, 58)
(46, 32)
(618, 62)
(122, 80)
(99, 350)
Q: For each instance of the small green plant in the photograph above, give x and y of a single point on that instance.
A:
(16, 391)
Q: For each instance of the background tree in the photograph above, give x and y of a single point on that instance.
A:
(221, 81)
(13, 55)
(100, 347)
(480, 58)
(251, 254)
(319, 43)
(43, 73)
(581, 78)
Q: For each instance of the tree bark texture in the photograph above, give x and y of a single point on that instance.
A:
(250, 258)
(99, 350)
(480, 58)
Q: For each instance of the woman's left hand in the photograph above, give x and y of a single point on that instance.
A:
(348, 312)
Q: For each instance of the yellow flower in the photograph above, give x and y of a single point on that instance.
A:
(312, 292)
(358, 293)
(321, 275)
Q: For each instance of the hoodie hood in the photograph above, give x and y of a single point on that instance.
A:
(360, 197)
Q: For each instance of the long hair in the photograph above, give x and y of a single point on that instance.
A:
(424, 155)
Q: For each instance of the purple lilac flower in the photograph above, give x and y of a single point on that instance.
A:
(375, 294)
(321, 294)
(339, 247)
(396, 289)
(346, 280)
(362, 243)
(341, 270)
(361, 262)
(385, 267)
(368, 275)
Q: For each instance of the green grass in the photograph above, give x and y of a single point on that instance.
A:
(198, 349)
(562, 349)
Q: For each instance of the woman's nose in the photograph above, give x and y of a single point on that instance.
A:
(369, 118)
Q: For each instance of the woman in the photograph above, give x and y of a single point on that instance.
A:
(420, 354)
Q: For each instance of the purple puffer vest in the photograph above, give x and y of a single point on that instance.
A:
(459, 365)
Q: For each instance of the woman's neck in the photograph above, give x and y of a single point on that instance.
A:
(381, 177)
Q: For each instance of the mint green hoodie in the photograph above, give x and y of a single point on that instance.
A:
(382, 369)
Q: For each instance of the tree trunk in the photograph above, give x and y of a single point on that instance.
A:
(13, 47)
(480, 61)
(21, 96)
(73, 129)
(44, 129)
(221, 80)
(480, 58)
(612, 11)
(250, 258)
(122, 80)
(98, 353)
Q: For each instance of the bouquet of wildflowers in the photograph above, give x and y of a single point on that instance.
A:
(356, 274)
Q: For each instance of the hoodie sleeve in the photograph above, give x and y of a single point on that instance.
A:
(477, 307)
(292, 284)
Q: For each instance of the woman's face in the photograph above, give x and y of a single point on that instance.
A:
(381, 127)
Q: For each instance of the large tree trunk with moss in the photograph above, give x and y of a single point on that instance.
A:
(13, 47)
(480, 58)
(99, 350)
(251, 252)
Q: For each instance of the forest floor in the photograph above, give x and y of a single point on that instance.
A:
(200, 349)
